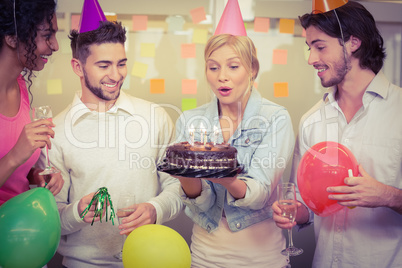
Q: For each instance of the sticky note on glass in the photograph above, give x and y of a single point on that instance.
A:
(54, 87)
(198, 15)
(189, 86)
(261, 25)
(280, 56)
(75, 22)
(147, 50)
(175, 23)
(287, 26)
(281, 90)
(111, 17)
(140, 22)
(188, 104)
(200, 36)
(188, 51)
(139, 69)
(157, 86)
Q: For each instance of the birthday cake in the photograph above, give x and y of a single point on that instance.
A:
(200, 156)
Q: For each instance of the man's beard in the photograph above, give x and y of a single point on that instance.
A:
(341, 68)
(97, 91)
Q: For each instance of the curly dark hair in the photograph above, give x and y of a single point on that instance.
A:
(107, 32)
(357, 21)
(29, 14)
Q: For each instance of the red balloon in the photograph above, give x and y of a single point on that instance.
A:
(324, 164)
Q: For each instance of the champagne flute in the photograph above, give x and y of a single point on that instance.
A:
(288, 204)
(124, 207)
(45, 112)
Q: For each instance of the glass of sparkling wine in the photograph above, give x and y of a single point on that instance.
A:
(288, 204)
(45, 112)
(124, 206)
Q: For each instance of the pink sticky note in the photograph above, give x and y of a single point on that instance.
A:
(280, 56)
(287, 26)
(188, 50)
(189, 86)
(198, 15)
(75, 22)
(261, 25)
(140, 22)
(281, 90)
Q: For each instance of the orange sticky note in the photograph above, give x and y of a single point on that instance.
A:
(287, 26)
(111, 17)
(188, 104)
(187, 51)
(198, 15)
(139, 69)
(280, 56)
(261, 25)
(200, 36)
(255, 85)
(281, 89)
(140, 22)
(189, 86)
(75, 22)
(157, 86)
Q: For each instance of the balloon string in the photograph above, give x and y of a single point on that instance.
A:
(99, 199)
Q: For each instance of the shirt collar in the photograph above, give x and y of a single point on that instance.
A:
(378, 86)
(79, 109)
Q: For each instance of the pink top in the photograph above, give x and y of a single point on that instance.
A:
(10, 130)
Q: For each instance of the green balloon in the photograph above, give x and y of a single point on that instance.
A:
(29, 229)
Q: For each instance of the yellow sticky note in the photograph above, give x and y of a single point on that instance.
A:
(148, 50)
(54, 87)
(188, 51)
(140, 22)
(75, 22)
(261, 25)
(139, 69)
(189, 86)
(281, 89)
(287, 26)
(280, 56)
(198, 15)
(200, 36)
(188, 104)
(157, 86)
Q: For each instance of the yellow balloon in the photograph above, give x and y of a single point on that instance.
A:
(156, 246)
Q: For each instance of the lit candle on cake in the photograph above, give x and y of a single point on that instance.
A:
(215, 135)
(202, 129)
(191, 132)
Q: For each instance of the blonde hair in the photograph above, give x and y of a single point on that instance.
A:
(242, 45)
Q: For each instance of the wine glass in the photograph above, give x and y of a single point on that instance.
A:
(288, 204)
(45, 112)
(124, 208)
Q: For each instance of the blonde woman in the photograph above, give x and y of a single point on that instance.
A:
(233, 225)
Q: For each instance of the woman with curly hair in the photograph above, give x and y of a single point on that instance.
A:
(27, 39)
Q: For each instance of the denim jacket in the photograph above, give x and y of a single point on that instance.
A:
(264, 141)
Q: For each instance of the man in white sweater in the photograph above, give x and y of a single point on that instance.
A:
(107, 138)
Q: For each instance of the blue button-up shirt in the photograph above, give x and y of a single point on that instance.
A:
(264, 141)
